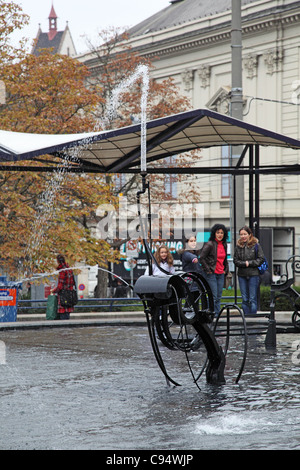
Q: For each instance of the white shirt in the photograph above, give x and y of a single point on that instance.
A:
(157, 272)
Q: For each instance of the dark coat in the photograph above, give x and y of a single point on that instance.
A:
(208, 257)
(187, 257)
(248, 253)
(65, 281)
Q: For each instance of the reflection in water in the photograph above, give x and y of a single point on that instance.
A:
(100, 388)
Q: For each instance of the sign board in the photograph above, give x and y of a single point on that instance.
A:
(8, 297)
(47, 291)
(132, 249)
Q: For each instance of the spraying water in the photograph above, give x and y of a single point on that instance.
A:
(45, 212)
(141, 71)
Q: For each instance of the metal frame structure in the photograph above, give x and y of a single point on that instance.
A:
(119, 150)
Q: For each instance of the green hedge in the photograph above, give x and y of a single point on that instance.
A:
(282, 303)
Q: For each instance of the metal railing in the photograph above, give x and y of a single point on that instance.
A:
(108, 304)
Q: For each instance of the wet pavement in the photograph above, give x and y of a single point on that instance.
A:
(99, 387)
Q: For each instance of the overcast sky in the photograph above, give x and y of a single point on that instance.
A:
(86, 17)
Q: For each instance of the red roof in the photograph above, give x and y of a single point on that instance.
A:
(52, 13)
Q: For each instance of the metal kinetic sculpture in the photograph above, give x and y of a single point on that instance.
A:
(180, 320)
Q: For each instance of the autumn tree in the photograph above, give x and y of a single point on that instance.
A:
(12, 18)
(47, 94)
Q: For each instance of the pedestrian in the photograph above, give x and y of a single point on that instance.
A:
(164, 260)
(65, 281)
(189, 256)
(247, 258)
(214, 264)
(120, 290)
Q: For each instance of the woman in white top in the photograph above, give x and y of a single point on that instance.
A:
(164, 260)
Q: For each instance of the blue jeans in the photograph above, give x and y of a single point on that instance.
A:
(216, 283)
(249, 286)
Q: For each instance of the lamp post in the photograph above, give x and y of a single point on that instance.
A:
(237, 191)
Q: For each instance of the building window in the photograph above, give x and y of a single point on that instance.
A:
(225, 179)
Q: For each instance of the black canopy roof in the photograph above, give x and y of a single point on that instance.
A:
(119, 150)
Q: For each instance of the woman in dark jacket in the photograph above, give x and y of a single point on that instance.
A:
(189, 255)
(214, 264)
(248, 256)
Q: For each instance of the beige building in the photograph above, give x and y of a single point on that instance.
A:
(190, 41)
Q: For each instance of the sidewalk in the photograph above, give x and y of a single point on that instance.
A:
(32, 321)
(123, 318)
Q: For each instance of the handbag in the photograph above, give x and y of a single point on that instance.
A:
(68, 298)
(264, 265)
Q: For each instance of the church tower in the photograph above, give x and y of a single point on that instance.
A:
(60, 42)
(52, 24)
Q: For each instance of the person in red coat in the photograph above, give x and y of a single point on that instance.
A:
(65, 281)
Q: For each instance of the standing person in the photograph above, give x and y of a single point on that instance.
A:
(164, 259)
(65, 281)
(189, 256)
(213, 259)
(247, 258)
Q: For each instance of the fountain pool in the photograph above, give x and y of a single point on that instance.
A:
(100, 388)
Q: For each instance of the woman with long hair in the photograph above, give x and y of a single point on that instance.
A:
(164, 260)
(248, 256)
(214, 264)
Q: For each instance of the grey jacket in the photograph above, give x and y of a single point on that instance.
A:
(248, 253)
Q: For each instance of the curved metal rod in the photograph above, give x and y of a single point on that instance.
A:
(236, 307)
(206, 290)
(184, 326)
(296, 319)
(186, 350)
(180, 343)
(155, 348)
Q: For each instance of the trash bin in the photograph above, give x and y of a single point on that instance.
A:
(8, 300)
